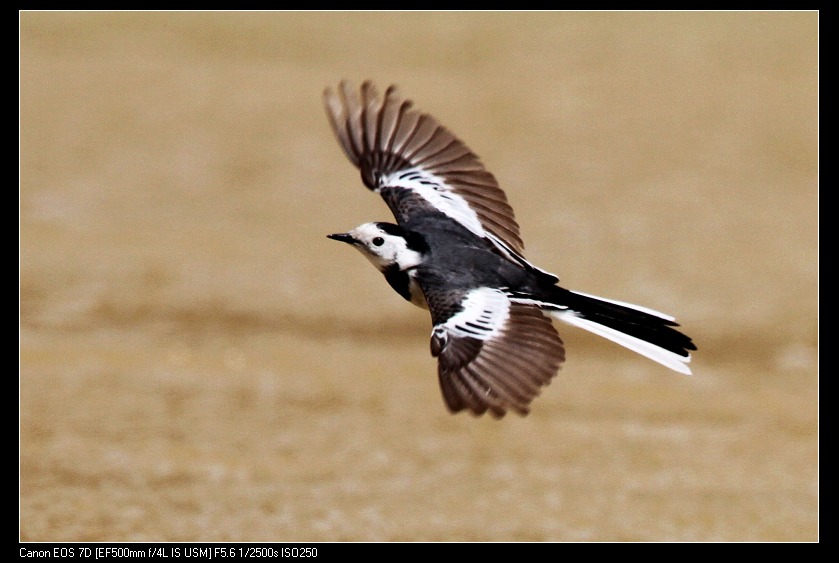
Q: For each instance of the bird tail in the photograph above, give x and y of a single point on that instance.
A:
(642, 330)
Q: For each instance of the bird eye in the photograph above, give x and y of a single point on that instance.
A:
(378, 241)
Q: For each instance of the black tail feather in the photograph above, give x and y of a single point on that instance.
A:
(649, 333)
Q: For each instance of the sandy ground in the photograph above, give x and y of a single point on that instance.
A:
(198, 362)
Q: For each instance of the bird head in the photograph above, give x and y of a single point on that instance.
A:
(386, 245)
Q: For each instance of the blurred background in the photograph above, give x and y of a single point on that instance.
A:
(198, 362)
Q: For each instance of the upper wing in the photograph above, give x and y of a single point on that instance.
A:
(417, 165)
(492, 354)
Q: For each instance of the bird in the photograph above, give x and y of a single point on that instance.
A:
(456, 250)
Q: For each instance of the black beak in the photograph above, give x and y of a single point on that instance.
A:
(343, 237)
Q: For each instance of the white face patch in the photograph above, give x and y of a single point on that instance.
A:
(384, 249)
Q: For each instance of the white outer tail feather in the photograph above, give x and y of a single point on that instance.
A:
(651, 351)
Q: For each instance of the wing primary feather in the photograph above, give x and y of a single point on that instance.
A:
(353, 126)
(419, 161)
(407, 125)
(466, 394)
(515, 370)
(368, 126)
(500, 378)
(336, 112)
(428, 128)
(482, 393)
(387, 123)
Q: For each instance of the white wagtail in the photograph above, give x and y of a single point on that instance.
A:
(456, 251)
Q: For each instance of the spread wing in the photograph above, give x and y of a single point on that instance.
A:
(493, 355)
(418, 166)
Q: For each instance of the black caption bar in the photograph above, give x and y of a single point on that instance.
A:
(206, 551)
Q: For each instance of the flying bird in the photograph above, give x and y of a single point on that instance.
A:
(456, 250)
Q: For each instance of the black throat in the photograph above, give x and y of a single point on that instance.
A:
(399, 280)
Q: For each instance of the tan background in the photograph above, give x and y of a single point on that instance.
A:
(198, 362)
